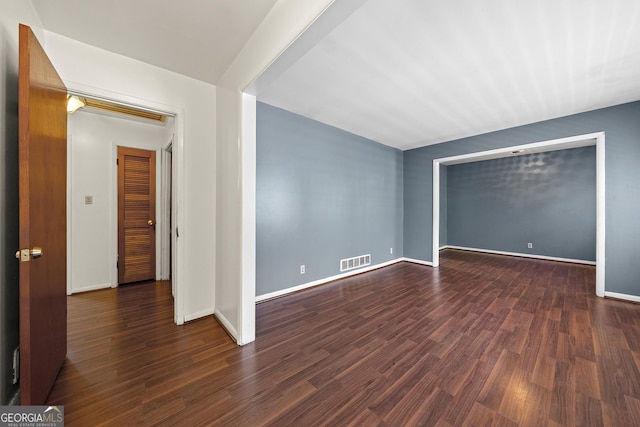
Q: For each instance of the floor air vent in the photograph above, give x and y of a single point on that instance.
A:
(355, 262)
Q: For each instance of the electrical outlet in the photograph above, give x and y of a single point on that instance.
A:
(530, 245)
(302, 269)
(390, 250)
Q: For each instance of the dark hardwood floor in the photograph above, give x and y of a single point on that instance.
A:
(482, 340)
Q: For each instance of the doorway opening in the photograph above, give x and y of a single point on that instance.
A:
(93, 194)
(596, 139)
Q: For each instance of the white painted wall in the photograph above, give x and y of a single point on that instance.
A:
(98, 72)
(235, 242)
(92, 229)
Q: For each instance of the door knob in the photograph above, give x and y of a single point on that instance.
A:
(36, 252)
(150, 222)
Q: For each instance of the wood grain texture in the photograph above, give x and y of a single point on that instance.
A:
(484, 340)
(43, 219)
(136, 207)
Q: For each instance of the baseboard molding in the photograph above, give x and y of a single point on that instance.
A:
(226, 325)
(91, 288)
(544, 257)
(625, 297)
(417, 261)
(198, 314)
(283, 292)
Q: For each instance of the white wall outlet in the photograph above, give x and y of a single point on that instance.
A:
(530, 245)
(390, 250)
(302, 269)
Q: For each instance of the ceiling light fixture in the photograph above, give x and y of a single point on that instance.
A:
(121, 109)
(74, 103)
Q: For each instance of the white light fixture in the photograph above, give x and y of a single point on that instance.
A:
(74, 103)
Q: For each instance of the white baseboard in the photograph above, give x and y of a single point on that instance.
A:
(417, 261)
(228, 326)
(91, 288)
(544, 257)
(198, 314)
(297, 288)
(625, 297)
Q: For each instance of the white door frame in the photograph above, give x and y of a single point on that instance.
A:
(177, 202)
(596, 139)
(167, 214)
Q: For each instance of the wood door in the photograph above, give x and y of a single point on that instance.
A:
(136, 215)
(43, 220)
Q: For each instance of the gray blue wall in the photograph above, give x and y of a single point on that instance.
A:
(322, 195)
(621, 125)
(548, 199)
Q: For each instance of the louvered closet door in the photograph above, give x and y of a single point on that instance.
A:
(136, 215)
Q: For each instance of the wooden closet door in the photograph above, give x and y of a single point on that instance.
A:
(136, 215)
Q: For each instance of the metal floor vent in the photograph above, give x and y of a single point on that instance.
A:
(355, 262)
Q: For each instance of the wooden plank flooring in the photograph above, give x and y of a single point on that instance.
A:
(483, 340)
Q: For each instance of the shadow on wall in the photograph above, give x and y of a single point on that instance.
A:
(9, 225)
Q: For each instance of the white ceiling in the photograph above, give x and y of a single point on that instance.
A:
(196, 38)
(406, 73)
(409, 73)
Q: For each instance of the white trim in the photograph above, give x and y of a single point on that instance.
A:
(247, 306)
(90, 288)
(633, 298)
(435, 239)
(576, 141)
(193, 316)
(307, 285)
(228, 326)
(596, 138)
(518, 254)
(69, 215)
(165, 217)
(160, 223)
(178, 257)
(600, 216)
(417, 261)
